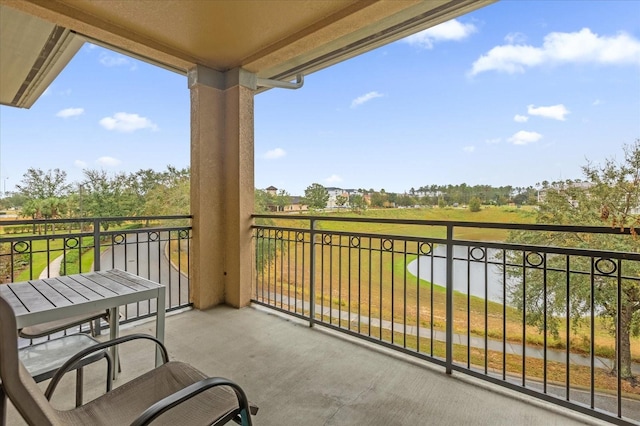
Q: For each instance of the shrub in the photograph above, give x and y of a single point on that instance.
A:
(474, 204)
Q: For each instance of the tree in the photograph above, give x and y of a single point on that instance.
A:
(43, 193)
(262, 201)
(281, 200)
(474, 204)
(357, 203)
(38, 185)
(378, 199)
(405, 200)
(140, 186)
(612, 198)
(341, 200)
(165, 193)
(170, 198)
(316, 196)
(14, 199)
(106, 196)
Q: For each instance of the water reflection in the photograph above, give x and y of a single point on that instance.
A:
(469, 269)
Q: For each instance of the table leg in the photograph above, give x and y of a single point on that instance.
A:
(160, 316)
(114, 324)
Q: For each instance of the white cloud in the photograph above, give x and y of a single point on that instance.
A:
(275, 153)
(127, 123)
(70, 112)
(333, 179)
(523, 137)
(515, 38)
(108, 161)
(520, 118)
(365, 98)
(583, 46)
(596, 102)
(450, 30)
(80, 164)
(556, 112)
(113, 59)
(493, 141)
(469, 148)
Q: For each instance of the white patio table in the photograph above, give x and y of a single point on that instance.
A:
(50, 299)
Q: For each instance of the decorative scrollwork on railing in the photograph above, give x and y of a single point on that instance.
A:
(387, 244)
(260, 232)
(153, 236)
(534, 259)
(183, 234)
(300, 236)
(605, 266)
(327, 239)
(279, 234)
(477, 253)
(425, 248)
(119, 239)
(354, 242)
(21, 246)
(71, 242)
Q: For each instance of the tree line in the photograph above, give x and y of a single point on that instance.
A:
(49, 195)
(316, 197)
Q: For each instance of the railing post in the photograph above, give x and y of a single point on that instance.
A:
(96, 244)
(312, 278)
(449, 301)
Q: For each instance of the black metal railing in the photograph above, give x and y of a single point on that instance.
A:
(552, 321)
(153, 247)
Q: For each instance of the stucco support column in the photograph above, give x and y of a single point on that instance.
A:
(222, 186)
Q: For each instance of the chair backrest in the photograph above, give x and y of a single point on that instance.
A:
(18, 384)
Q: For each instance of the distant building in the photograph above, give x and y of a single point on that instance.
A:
(295, 202)
(296, 205)
(335, 192)
(272, 190)
(542, 194)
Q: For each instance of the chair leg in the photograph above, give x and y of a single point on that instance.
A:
(3, 406)
(79, 386)
(109, 371)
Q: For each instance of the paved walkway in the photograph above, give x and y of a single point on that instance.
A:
(553, 355)
(53, 269)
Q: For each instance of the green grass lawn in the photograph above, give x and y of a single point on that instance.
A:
(45, 251)
(487, 214)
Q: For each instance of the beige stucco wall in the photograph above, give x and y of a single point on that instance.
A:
(222, 186)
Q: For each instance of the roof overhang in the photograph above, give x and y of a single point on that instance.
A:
(32, 54)
(275, 39)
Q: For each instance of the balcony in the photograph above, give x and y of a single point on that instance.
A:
(409, 320)
(546, 313)
(308, 376)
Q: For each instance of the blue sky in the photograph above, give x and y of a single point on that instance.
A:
(512, 94)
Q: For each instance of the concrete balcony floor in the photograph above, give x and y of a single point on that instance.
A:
(303, 376)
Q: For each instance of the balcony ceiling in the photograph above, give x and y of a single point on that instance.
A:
(275, 39)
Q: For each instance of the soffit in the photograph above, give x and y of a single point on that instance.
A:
(32, 53)
(273, 38)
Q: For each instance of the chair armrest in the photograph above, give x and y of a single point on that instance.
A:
(71, 362)
(190, 391)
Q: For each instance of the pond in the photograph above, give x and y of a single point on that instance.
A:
(468, 273)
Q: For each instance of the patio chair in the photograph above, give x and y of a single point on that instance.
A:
(173, 393)
(42, 360)
(51, 327)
